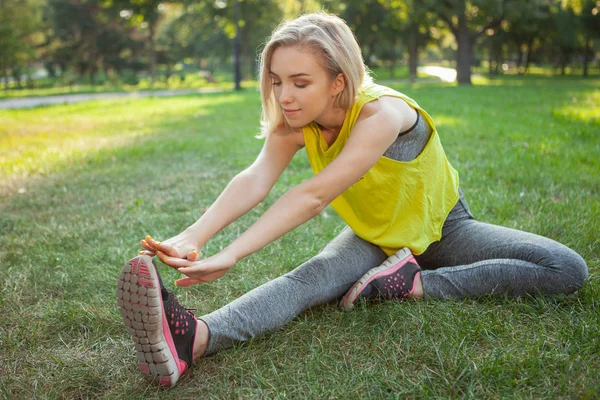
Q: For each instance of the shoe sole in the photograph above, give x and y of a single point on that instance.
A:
(389, 266)
(141, 306)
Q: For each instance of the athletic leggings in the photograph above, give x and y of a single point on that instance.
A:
(471, 259)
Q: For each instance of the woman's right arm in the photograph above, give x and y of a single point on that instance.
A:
(246, 190)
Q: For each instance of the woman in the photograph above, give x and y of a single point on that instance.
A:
(379, 162)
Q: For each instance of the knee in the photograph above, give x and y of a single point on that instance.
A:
(309, 273)
(574, 268)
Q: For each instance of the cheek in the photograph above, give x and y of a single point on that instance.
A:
(312, 96)
(276, 91)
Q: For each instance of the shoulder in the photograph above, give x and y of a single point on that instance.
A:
(386, 107)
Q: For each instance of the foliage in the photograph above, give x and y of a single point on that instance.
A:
(21, 32)
(124, 39)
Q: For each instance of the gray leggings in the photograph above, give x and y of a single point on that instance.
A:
(471, 259)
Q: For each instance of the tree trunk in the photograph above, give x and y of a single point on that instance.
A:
(413, 51)
(520, 57)
(465, 47)
(17, 76)
(464, 58)
(5, 79)
(528, 59)
(586, 56)
(236, 47)
(564, 60)
(491, 60)
(152, 54)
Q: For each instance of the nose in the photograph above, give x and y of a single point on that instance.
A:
(285, 96)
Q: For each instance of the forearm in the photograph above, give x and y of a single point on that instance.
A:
(242, 194)
(292, 210)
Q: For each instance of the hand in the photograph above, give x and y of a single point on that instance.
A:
(180, 246)
(203, 271)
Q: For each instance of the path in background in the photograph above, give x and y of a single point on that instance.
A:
(445, 75)
(30, 102)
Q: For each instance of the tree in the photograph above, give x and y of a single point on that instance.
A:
(88, 35)
(590, 25)
(468, 20)
(565, 37)
(527, 23)
(257, 19)
(373, 25)
(21, 28)
(412, 20)
(147, 14)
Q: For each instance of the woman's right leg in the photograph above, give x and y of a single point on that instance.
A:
(323, 278)
(474, 259)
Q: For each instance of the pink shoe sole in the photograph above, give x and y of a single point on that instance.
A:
(141, 306)
(388, 267)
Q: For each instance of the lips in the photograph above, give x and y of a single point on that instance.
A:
(289, 112)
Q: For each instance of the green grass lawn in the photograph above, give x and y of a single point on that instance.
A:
(81, 184)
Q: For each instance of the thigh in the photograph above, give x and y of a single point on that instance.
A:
(471, 241)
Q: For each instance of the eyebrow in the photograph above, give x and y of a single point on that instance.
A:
(291, 76)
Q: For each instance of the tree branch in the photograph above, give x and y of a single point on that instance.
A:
(449, 22)
(447, 8)
(495, 23)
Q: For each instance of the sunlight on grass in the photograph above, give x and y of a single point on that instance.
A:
(445, 121)
(39, 140)
(584, 108)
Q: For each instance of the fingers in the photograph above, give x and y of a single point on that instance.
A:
(146, 246)
(174, 262)
(147, 253)
(209, 277)
(193, 256)
(165, 248)
(185, 282)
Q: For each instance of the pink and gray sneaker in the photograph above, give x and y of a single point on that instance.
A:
(393, 279)
(162, 330)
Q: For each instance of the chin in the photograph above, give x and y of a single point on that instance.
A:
(296, 124)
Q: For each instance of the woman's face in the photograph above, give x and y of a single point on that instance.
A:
(302, 86)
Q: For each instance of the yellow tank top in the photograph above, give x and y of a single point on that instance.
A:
(395, 204)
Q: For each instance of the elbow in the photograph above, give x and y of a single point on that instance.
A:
(316, 205)
(311, 202)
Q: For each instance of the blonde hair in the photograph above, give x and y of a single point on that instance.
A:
(325, 34)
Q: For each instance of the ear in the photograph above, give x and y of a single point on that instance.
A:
(338, 85)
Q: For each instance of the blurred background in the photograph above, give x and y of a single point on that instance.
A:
(102, 45)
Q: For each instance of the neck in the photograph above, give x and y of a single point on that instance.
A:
(332, 120)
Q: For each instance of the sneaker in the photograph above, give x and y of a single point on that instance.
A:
(162, 330)
(394, 279)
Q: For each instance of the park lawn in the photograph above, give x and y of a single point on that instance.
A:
(81, 184)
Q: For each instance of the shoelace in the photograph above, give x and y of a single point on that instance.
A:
(178, 304)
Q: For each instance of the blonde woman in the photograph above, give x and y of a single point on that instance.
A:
(378, 160)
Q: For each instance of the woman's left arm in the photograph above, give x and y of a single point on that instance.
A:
(376, 129)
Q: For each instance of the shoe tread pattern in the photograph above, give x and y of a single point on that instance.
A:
(138, 298)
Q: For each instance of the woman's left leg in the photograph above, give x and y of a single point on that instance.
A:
(323, 278)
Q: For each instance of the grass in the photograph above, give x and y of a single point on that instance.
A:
(81, 184)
